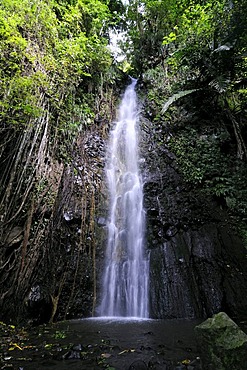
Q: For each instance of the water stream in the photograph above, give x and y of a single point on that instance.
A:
(125, 279)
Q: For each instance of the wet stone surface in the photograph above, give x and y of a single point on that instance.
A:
(102, 344)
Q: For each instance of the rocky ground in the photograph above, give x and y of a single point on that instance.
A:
(88, 344)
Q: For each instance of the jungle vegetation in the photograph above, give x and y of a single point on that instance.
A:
(58, 79)
(193, 59)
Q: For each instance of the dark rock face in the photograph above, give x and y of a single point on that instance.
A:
(222, 343)
(57, 278)
(197, 260)
(195, 274)
(72, 238)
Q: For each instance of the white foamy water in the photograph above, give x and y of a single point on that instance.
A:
(125, 280)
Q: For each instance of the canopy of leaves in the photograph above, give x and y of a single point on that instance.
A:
(192, 56)
(48, 47)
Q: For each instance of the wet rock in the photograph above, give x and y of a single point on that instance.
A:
(191, 241)
(102, 221)
(39, 305)
(72, 355)
(15, 235)
(178, 268)
(138, 365)
(222, 343)
(171, 231)
(78, 347)
(153, 363)
(35, 293)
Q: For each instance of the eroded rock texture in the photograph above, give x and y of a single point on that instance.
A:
(197, 260)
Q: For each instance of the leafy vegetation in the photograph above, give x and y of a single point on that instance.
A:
(49, 48)
(193, 61)
(205, 162)
(52, 63)
(58, 79)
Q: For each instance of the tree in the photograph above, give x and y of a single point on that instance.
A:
(52, 54)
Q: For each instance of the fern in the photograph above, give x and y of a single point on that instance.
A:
(222, 48)
(220, 84)
(175, 97)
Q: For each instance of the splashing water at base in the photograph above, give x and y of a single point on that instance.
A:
(125, 279)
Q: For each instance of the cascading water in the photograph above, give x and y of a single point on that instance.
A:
(125, 279)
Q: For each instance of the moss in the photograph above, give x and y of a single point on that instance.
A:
(223, 344)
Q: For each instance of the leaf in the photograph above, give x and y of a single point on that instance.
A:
(222, 48)
(175, 97)
(7, 358)
(170, 38)
(105, 355)
(124, 351)
(186, 361)
(127, 350)
(220, 84)
(15, 345)
(48, 345)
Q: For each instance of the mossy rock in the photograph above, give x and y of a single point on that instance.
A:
(223, 345)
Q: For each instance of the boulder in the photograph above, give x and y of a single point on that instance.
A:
(222, 344)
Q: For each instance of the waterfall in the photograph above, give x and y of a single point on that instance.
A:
(125, 278)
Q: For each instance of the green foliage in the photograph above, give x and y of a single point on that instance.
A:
(147, 23)
(206, 47)
(48, 49)
(175, 97)
(198, 31)
(203, 163)
(243, 233)
(59, 334)
(204, 51)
